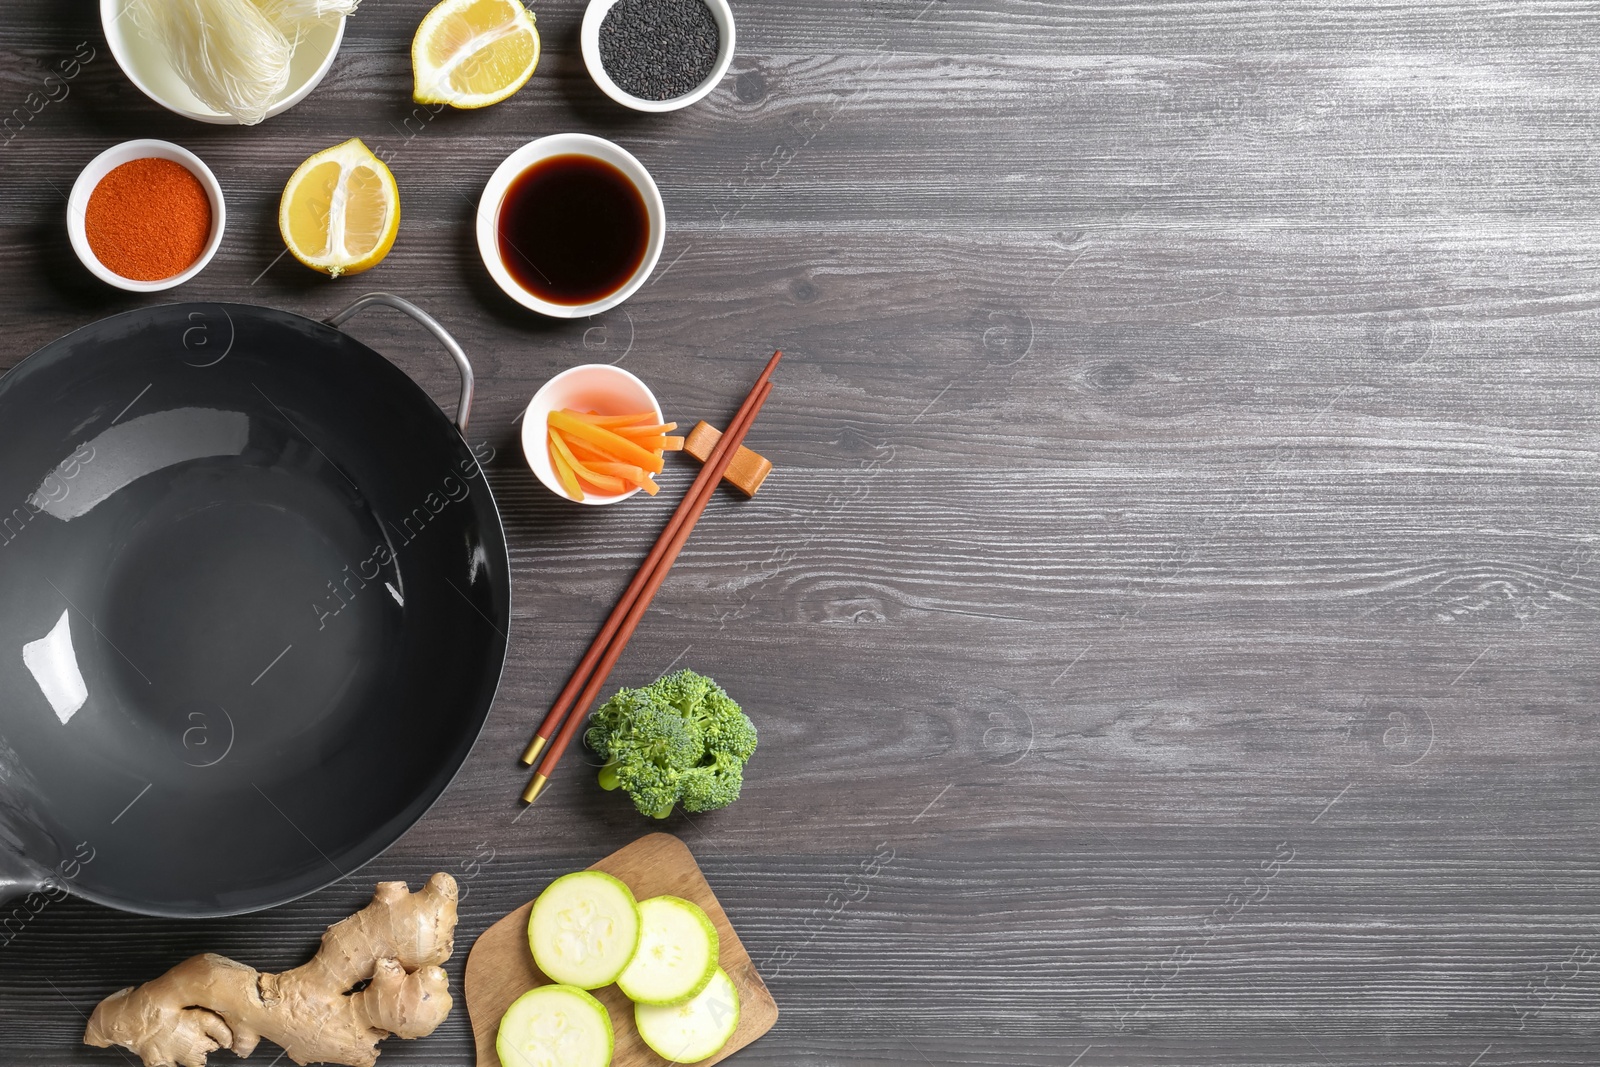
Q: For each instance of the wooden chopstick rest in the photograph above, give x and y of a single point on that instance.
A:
(748, 469)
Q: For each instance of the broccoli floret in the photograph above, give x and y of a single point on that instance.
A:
(679, 740)
(684, 690)
(724, 728)
(654, 790)
(631, 727)
(712, 786)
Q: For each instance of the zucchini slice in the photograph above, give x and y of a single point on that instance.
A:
(583, 929)
(691, 1031)
(555, 1026)
(677, 953)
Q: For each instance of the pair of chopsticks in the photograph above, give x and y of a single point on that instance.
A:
(566, 715)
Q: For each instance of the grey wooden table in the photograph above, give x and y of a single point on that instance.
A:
(1172, 625)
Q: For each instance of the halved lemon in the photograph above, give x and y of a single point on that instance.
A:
(341, 210)
(473, 53)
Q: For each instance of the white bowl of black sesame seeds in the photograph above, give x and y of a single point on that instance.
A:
(657, 55)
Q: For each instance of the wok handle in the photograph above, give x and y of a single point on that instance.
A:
(429, 323)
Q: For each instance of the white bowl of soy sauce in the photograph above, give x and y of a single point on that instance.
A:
(657, 55)
(571, 225)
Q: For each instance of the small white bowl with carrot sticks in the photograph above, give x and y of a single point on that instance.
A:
(595, 435)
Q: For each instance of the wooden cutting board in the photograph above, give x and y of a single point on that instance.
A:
(500, 967)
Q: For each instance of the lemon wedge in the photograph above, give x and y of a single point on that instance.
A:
(341, 210)
(473, 53)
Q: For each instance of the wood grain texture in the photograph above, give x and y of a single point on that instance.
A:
(500, 967)
(1172, 618)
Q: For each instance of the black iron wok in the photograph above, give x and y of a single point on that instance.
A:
(254, 598)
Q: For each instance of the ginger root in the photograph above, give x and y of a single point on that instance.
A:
(391, 949)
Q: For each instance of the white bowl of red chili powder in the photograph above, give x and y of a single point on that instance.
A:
(146, 215)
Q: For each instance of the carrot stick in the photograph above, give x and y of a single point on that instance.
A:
(619, 447)
(585, 451)
(633, 433)
(634, 476)
(592, 455)
(650, 444)
(600, 483)
(568, 478)
(638, 418)
(601, 463)
(603, 483)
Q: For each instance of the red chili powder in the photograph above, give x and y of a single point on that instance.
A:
(148, 219)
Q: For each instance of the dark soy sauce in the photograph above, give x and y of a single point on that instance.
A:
(572, 229)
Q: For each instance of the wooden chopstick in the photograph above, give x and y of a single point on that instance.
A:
(608, 644)
(558, 710)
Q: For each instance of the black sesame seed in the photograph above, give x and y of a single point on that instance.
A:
(659, 49)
